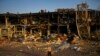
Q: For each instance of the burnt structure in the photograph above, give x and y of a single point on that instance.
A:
(62, 21)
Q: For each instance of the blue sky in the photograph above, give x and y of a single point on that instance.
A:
(26, 6)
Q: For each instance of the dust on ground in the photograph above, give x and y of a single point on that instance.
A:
(86, 48)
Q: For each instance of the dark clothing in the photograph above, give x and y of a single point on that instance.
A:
(49, 53)
(70, 38)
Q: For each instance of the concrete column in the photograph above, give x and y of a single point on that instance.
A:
(25, 21)
(24, 31)
(40, 33)
(30, 31)
(58, 25)
(6, 21)
(6, 26)
(48, 31)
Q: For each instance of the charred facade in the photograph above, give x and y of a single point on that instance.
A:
(45, 23)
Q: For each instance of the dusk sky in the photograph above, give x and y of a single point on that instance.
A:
(26, 6)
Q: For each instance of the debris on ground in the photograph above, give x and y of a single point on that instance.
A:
(81, 48)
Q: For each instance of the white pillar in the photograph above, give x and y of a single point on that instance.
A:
(6, 21)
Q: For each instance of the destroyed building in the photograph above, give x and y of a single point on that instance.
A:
(61, 21)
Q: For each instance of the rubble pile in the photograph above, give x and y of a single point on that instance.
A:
(78, 47)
